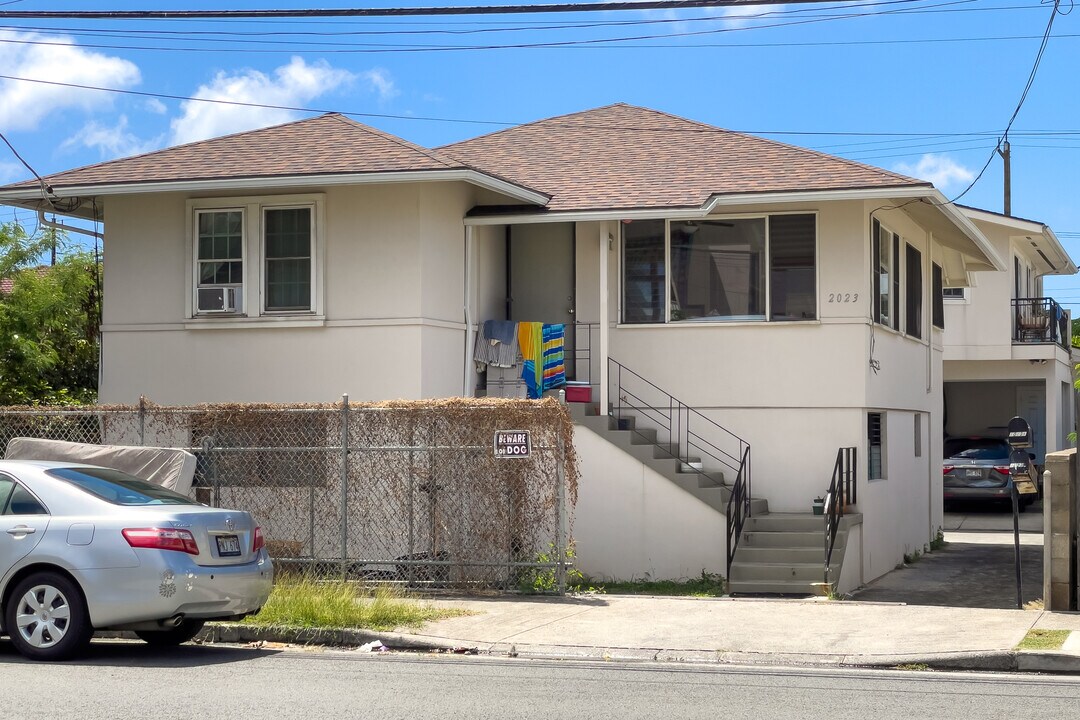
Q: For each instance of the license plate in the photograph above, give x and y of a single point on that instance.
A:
(974, 473)
(228, 545)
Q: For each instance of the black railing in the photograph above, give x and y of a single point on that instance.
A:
(1040, 320)
(738, 507)
(842, 492)
(685, 434)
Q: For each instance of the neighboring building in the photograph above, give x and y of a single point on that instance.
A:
(1007, 345)
(790, 297)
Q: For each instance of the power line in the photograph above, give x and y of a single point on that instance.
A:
(506, 123)
(1023, 96)
(578, 7)
(368, 48)
(46, 191)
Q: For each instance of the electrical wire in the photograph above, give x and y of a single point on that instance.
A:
(577, 7)
(369, 48)
(46, 190)
(1023, 97)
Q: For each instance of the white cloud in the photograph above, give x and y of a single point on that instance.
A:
(10, 172)
(24, 104)
(110, 141)
(381, 83)
(155, 106)
(293, 84)
(941, 170)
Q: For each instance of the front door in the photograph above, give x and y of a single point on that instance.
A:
(1031, 405)
(541, 283)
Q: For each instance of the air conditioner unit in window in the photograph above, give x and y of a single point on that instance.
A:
(217, 299)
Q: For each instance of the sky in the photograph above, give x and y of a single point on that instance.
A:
(921, 87)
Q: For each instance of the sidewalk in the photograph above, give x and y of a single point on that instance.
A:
(726, 630)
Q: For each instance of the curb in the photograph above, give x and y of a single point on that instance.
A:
(985, 661)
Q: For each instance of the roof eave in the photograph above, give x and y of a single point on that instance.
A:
(1068, 267)
(519, 192)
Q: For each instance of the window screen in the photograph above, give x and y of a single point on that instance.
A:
(288, 258)
(913, 291)
(643, 272)
(938, 296)
(792, 275)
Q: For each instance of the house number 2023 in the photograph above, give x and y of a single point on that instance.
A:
(843, 297)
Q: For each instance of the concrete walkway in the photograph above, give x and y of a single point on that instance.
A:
(751, 630)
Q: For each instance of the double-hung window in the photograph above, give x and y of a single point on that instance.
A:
(897, 282)
(720, 269)
(256, 256)
(287, 236)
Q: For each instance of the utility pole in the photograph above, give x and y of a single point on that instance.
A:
(1006, 156)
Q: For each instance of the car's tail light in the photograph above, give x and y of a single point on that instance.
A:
(162, 539)
(1003, 469)
(946, 469)
(258, 543)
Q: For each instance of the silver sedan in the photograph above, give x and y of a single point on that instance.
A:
(86, 548)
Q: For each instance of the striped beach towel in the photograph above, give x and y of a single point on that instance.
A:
(553, 357)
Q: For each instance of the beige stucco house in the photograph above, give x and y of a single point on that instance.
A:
(1008, 345)
(739, 308)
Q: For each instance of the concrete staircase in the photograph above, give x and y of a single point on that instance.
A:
(777, 553)
(784, 553)
(641, 443)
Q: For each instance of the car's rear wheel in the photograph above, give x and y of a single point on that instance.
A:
(172, 636)
(46, 617)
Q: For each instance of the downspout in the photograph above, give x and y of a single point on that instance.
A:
(467, 358)
(606, 240)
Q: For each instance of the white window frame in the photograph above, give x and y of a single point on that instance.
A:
(263, 258)
(668, 322)
(254, 259)
(196, 260)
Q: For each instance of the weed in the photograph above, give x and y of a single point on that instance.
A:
(307, 602)
(917, 667)
(546, 579)
(913, 557)
(1043, 640)
(708, 585)
(939, 541)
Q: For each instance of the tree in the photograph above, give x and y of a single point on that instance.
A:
(48, 320)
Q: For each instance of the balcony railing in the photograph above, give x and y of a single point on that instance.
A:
(1040, 320)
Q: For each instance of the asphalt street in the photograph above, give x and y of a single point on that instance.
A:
(129, 680)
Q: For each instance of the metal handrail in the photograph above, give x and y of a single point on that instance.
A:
(738, 508)
(685, 432)
(842, 491)
(1040, 320)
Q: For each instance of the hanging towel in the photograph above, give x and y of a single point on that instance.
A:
(504, 331)
(493, 352)
(553, 355)
(531, 343)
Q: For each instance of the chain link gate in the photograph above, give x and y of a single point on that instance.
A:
(406, 492)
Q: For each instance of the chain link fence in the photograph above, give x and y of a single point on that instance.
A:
(406, 492)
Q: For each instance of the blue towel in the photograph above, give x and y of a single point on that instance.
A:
(503, 331)
(553, 356)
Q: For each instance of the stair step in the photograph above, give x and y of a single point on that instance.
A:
(774, 587)
(783, 539)
(807, 555)
(786, 522)
(769, 572)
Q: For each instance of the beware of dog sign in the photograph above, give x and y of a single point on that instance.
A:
(512, 444)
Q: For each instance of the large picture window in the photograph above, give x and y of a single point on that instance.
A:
(756, 269)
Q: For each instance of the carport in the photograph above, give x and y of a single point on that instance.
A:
(984, 408)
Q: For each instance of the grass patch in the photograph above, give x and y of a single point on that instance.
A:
(1043, 640)
(708, 585)
(306, 602)
(916, 667)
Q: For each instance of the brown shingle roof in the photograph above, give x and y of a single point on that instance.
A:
(322, 145)
(621, 157)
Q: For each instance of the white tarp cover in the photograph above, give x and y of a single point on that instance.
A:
(168, 467)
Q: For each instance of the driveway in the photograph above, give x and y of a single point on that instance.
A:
(975, 568)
